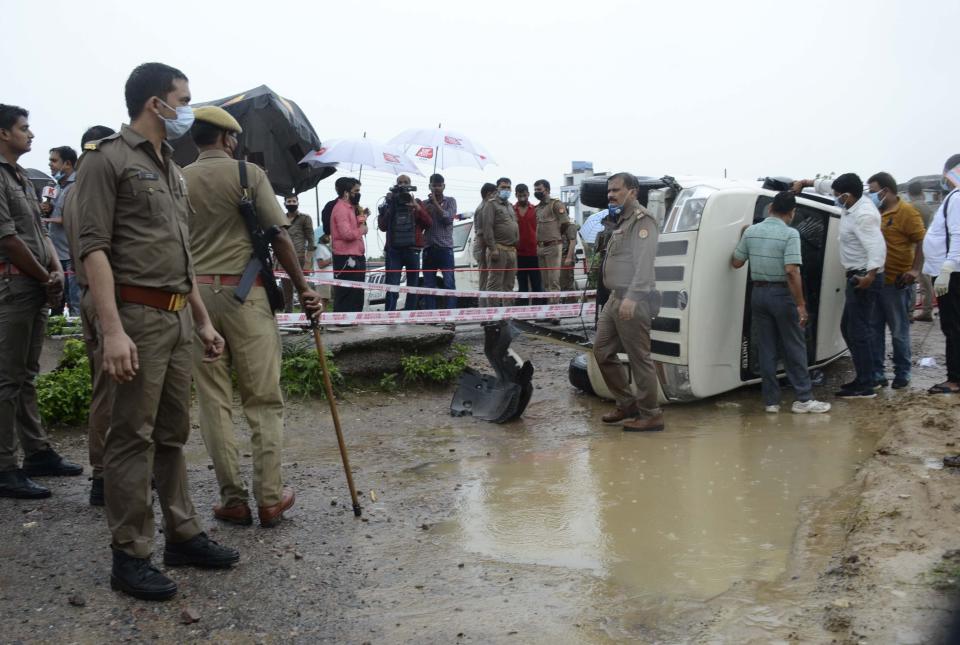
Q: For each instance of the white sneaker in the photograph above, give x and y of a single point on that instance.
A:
(811, 406)
(772, 409)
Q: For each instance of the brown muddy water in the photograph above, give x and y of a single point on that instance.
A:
(684, 513)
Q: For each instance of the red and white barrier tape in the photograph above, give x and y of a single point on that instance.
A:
(430, 291)
(481, 314)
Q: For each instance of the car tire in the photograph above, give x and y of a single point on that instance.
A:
(578, 375)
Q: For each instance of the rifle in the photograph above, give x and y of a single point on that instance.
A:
(260, 263)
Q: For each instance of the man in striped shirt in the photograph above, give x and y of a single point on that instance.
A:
(777, 305)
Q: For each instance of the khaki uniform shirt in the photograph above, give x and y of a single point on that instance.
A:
(219, 240)
(552, 220)
(500, 224)
(20, 212)
(628, 264)
(926, 211)
(72, 229)
(134, 206)
(301, 232)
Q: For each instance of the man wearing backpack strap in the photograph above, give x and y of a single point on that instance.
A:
(941, 253)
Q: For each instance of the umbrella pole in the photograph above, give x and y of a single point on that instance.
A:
(328, 388)
(316, 195)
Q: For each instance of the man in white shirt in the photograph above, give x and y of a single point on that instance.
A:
(863, 253)
(941, 255)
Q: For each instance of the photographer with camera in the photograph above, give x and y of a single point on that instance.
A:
(404, 219)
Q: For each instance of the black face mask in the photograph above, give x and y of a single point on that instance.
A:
(355, 198)
(538, 195)
(292, 208)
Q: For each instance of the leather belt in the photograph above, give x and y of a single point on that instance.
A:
(550, 243)
(10, 268)
(226, 280)
(155, 298)
(764, 283)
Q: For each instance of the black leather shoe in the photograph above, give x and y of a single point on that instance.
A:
(47, 463)
(138, 578)
(199, 551)
(15, 483)
(899, 383)
(96, 492)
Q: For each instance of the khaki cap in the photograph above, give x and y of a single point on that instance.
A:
(217, 116)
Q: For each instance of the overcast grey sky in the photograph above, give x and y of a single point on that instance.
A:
(678, 87)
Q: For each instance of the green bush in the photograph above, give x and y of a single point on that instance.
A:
(435, 368)
(388, 383)
(60, 326)
(63, 395)
(301, 375)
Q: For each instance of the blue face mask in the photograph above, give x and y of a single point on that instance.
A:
(615, 210)
(504, 194)
(875, 198)
(945, 185)
(180, 125)
(58, 175)
(839, 202)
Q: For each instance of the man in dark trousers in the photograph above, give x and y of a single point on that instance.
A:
(30, 280)
(778, 308)
(404, 219)
(133, 210)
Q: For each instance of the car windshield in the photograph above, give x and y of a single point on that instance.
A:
(461, 232)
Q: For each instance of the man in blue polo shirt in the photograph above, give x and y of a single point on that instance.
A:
(778, 308)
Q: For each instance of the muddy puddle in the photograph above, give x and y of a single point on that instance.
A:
(684, 513)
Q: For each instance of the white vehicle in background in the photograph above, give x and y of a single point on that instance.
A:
(702, 342)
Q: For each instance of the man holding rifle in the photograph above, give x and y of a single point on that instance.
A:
(235, 284)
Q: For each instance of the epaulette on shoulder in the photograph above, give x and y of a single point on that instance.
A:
(95, 145)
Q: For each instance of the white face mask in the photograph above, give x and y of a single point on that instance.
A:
(179, 125)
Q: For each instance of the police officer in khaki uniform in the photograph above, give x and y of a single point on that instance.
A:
(569, 254)
(487, 192)
(500, 236)
(132, 208)
(624, 324)
(221, 249)
(31, 279)
(300, 229)
(553, 222)
(101, 385)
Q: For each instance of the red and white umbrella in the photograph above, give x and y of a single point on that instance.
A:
(359, 153)
(444, 148)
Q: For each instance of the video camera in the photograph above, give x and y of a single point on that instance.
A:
(402, 193)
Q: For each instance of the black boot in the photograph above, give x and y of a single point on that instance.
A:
(138, 578)
(200, 551)
(15, 483)
(47, 463)
(96, 492)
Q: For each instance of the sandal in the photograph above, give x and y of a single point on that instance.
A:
(943, 388)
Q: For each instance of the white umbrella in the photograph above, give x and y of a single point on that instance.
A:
(353, 154)
(592, 227)
(445, 148)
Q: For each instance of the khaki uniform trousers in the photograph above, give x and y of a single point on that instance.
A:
(480, 256)
(633, 337)
(549, 256)
(503, 274)
(567, 283)
(253, 351)
(23, 325)
(149, 424)
(98, 421)
(926, 293)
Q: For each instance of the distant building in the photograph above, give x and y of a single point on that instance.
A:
(570, 191)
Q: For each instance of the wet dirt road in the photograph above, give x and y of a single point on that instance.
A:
(555, 529)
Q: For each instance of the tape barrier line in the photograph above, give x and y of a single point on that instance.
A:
(427, 316)
(428, 291)
(482, 314)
